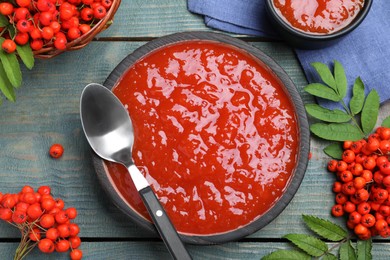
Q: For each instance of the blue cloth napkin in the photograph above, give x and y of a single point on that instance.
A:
(365, 52)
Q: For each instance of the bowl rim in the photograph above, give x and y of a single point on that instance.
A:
(319, 37)
(302, 124)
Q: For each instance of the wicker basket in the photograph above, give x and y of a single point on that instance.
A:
(50, 52)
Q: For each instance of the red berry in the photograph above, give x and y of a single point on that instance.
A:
(86, 14)
(360, 229)
(5, 214)
(363, 208)
(355, 217)
(84, 28)
(62, 245)
(23, 3)
(381, 224)
(71, 213)
(56, 151)
(8, 46)
(63, 230)
(34, 211)
(52, 234)
(21, 13)
(74, 229)
(99, 12)
(74, 241)
(74, 33)
(23, 26)
(337, 210)
(47, 33)
(61, 217)
(47, 221)
(46, 245)
(76, 254)
(348, 156)
(6, 8)
(36, 44)
(22, 38)
(368, 220)
(19, 217)
(385, 133)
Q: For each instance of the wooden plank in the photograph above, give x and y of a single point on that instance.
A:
(139, 18)
(156, 250)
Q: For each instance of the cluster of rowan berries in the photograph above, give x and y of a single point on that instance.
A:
(46, 23)
(42, 220)
(363, 184)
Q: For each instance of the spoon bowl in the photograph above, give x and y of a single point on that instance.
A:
(107, 124)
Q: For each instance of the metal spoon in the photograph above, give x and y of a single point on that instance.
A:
(109, 131)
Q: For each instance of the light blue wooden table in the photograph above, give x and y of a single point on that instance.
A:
(47, 112)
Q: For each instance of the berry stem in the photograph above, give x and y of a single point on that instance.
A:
(352, 117)
(25, 245)
(334, 246)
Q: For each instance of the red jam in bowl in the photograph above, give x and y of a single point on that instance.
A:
(318, 16)
(215, 134)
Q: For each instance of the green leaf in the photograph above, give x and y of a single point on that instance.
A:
(325, 74)
(327, 115)
(334, 150)
(357, 100)
(363, 249)
(340, 78)
(311, 245)
(11, 66)
(5, 85)
(329, 256)
(386, 122)
(3, 21)
(287, 255)
(336, 131)
(347, 252)
(322, 91)
(370, 111)
(26, 55)
(325, 228)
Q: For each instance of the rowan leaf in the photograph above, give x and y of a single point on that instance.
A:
(336, 131)
(357, 100)
(3, 21)
(26, 55)
(5, 86)
(386, 122)
(325, 74)
(340, 78)
(347, 252)
(287, 255)
(329, 256)
(322, 91)
(11, 66)
(311, 245)
(370, 111)
(327, 115)
(325, 228)
(363, 249)
(334, 150)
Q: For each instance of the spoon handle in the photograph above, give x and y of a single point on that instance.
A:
(164, 225)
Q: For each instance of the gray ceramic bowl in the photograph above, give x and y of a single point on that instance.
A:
(304, 40)
(297, 176)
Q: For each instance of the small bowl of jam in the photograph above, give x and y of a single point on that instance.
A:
(315, 24)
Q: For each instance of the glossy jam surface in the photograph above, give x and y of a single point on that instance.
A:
(318, 16)
(216, 135)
